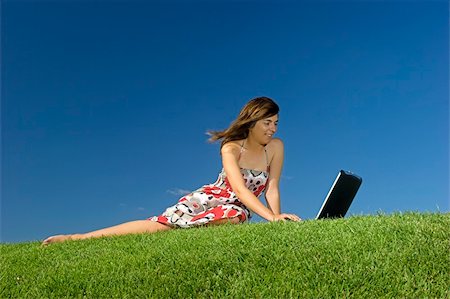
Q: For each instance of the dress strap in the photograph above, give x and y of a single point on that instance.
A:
(267, 160)
(242, 149)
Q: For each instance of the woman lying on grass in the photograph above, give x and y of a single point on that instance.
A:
(252, 160)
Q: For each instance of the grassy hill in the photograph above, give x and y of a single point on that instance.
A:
(399, 255)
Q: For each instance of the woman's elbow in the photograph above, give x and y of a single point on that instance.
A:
(272, 194)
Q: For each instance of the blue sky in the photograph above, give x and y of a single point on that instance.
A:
(105, 104)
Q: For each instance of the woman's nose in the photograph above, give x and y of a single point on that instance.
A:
(273, 127)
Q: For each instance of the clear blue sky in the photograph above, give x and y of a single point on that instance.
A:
(105, 104)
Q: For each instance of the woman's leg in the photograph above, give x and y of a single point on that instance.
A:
(234, 220)
(132, 227)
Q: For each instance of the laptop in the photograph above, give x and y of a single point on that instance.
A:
(340, 196)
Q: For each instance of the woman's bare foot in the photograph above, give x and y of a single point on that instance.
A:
(58, 239)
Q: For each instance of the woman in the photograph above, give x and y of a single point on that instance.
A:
(252, 160)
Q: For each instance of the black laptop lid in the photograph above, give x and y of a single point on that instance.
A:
(340, 196)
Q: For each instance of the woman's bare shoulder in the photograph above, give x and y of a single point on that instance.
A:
(232, 147)
(275, 144)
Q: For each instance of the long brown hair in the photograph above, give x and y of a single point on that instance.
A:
(256, 109)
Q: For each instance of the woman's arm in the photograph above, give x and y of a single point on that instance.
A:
(272, 194)
(230, 153)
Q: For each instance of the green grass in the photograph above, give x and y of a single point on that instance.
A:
(384, 256)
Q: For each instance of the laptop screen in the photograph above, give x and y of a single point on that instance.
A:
(340, 196)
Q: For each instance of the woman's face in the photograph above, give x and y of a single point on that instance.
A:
(264, 129)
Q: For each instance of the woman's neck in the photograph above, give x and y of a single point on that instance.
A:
(253, 146)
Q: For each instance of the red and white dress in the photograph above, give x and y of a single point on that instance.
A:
(214, 201)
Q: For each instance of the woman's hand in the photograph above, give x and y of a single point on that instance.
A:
(284, 217)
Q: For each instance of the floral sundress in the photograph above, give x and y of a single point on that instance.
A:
(214, 201)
